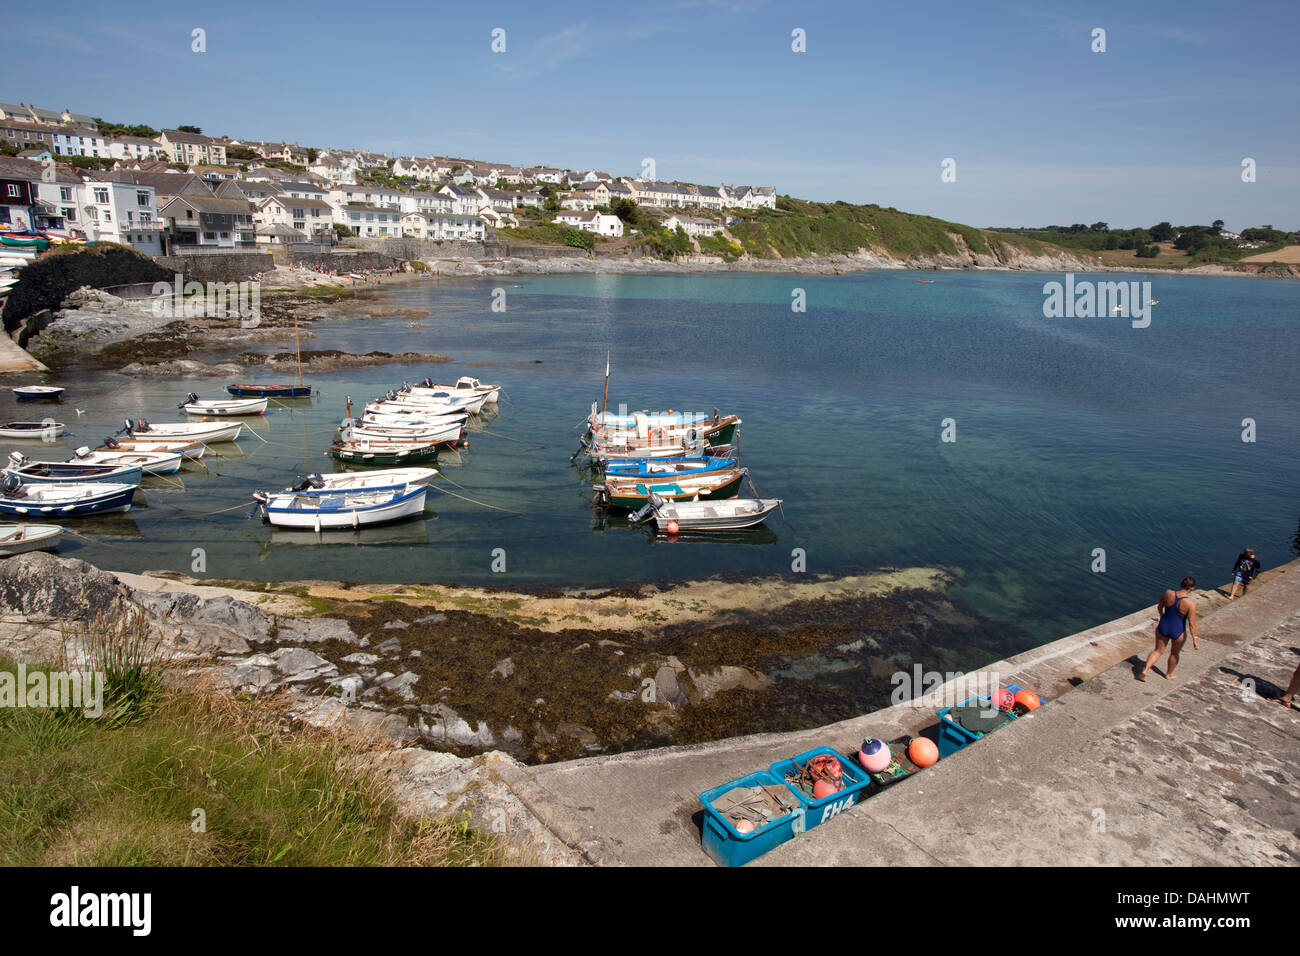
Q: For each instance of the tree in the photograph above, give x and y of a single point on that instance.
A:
(1162, 232)
(240, 152)
(1217, 226)
(189, 129)
(341, 230)
(626, 210)
(311, 154)
(1148, 252)
(1099, 227)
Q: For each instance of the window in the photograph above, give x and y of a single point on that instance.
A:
(142, 197)
(209, 235)
(69, 213)
(101, 196)
(225, 235)
(108, 215)
(65, 193)
(13, 191)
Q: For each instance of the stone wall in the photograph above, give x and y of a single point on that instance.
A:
(229, 267)
(344, 260)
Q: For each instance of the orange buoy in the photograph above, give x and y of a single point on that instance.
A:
(1028, 699)
(922, 751)
(1002, 699)
(673, 526)
(823, 789)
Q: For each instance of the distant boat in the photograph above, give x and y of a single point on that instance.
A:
(632, 494)
(468, 385)
(18, 539)
(149, 462)
(367, 452)
(232, 407)
(665, 469)
(193, 450)
(27, 430)
(342, 509)
(26, 392)
(731, 515)
(277, 391)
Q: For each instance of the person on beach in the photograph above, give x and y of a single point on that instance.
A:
(1177, 610)
(1244, 570)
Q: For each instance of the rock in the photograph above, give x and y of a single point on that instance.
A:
(91, 299)
(667, 690)
(349, 687)
(246, 678)
(294, 660)
(360, 657)
(402, 684)
(38, 585)
(311, 630)
(437, 618)
(701, 685)
(504, 668)
(396, 626)
(440, 724)
(221, 623)
(390, 647)
(182, 368)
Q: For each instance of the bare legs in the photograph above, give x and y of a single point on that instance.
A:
(1162, 642)
(1289, 696)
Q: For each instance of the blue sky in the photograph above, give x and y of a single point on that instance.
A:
(1042, 129)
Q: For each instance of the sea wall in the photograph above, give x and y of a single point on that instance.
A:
(341, 260)
(217, 267)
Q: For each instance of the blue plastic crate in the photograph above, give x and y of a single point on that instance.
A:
(953, 736)
(726, 845)
(817, 812)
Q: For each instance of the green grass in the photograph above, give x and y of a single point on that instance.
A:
(123, 790)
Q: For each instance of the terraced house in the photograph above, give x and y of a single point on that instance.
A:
(301, 214)
(209, 223)
(192, 149)
(370, 221)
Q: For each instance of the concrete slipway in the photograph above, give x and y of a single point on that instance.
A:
(1201, 770)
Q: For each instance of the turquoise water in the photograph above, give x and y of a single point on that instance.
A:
(1071, 435)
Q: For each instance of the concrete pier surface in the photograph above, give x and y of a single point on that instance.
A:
(1200, 770)
(14, 358)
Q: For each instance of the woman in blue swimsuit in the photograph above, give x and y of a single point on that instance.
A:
(1177, 610)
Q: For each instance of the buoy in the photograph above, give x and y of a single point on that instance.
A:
(823, 789)
(744, 826)
(922, 751)
(673, 526)
(1002, 699)
(874, 755)
(1028, 699)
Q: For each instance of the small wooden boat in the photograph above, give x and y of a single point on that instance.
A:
(661, 469)
(149, 462)
(30, 392)
(234, 407)
(356, 480)
(719, 430)
(366, 452)
(269, 391)
(38, 430)
(730, 515)
(632, 494)
(208, 432)
(342, 509)
(191, 450)
(65, 472)
(20, 538)
(409, 420)
(63, 500)
(415, 411)
(448, 397)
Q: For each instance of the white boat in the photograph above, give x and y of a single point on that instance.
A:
(424, 434)
(38, 391)
(231, 407)
(468, 385)
(726, 515)
(64, 500)
(150, 462)
(190, 431)
(342, 509)
(407, 421)
(46, 430)
(448, 397)
(69, 472)
(415, 410)
(358, 480)
(19, 538)
(191, 450)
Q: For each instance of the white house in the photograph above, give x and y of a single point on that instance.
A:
(750, 197)
(421, 201)
(596, 222)
(579, 201)
(117, 212)
(135, 147)
(370, 221)
(308, 216)
(192, 148)
(693, 225)
(466, 200)
(443, 226)
(367, 194)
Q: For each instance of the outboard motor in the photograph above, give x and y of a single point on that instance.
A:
(189, 399)
(126, 426)
(82, 452)
(110, 443)
(17, 459)
(141, 425)
(10, 485)
(428, 383)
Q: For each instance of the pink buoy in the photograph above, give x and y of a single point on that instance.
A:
(874, 755)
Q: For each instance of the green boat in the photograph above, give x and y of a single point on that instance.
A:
(379, 454)
(630, 494)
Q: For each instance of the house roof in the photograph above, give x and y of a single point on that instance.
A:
(176, 136)
(365, 207)
(281, 230)
(210, 204)
(571, 214)
(165, 184)
(290, 202)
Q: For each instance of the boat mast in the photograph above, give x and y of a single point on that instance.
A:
(605, 401)
(297, 346)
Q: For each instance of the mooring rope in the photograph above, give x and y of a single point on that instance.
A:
(473, 501)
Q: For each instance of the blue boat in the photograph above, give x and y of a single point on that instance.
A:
(269, 391)
(69, 472)
(666, 468)
(63, 500)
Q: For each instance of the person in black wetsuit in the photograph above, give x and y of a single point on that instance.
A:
(1177, 610)
(1244, 570)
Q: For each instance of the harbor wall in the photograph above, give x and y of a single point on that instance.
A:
(218, 267)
